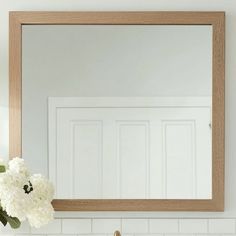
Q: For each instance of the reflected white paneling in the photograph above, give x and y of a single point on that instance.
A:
(86, 175)
(130, 148)
(133, 155)
(179, 159)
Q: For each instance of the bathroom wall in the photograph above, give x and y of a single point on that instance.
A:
(132, 223)
(129, 227)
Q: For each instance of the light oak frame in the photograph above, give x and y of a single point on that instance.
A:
(215, 19)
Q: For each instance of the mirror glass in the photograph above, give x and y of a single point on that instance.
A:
(119, 111)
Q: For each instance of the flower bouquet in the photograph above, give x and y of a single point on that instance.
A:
(24, 196)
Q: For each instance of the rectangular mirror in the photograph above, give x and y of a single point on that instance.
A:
(123, 111)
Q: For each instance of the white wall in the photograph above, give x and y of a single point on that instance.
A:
(199, 5)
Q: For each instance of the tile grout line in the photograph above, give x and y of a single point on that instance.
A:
(148, 226)
(207, 226)
(91, 226)
(178, 225)
(234, 225)
(61, 225)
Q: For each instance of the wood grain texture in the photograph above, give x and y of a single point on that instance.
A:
(111, 18)
(136, 205)
(14, 87)
(218, 111)
(216, 19)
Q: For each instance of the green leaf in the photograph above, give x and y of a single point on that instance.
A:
(2, 169)
(13, 221)
(3, 219)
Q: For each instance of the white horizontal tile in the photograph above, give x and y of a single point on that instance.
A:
(222, 226)
(30, 235)
(209, 235)
(164, 226)
(61, 235)
(76, 226)
(88, 235)
(222, 234)
(184, 235)
(7, 235)
(193, 226)
(121, 234)
(134, 226)
(53, 227)
(148, 235)
(24, 228)
(6, 230)
(106, 225)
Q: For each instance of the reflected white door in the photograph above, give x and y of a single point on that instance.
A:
(120, 151)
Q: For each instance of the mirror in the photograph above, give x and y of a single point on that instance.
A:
(118, 149)
(121, 112)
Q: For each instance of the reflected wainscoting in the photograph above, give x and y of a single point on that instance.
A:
(130, 148)
(129, 227)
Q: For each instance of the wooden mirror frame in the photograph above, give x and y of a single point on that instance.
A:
(215, 19)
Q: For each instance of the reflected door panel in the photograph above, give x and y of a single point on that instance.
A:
(131, 152)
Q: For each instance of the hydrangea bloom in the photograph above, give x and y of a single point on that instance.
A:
(40, 215)
(24, 196)
(43, 189)
(17, 166)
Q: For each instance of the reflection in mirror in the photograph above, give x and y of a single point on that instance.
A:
(120, 111)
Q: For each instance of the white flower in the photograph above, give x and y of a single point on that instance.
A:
(42, 189)
(24, 196)
(18, 166)
(40, 215)
(16, 203)
(11, 179)
(12, 195)
(41, 211)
